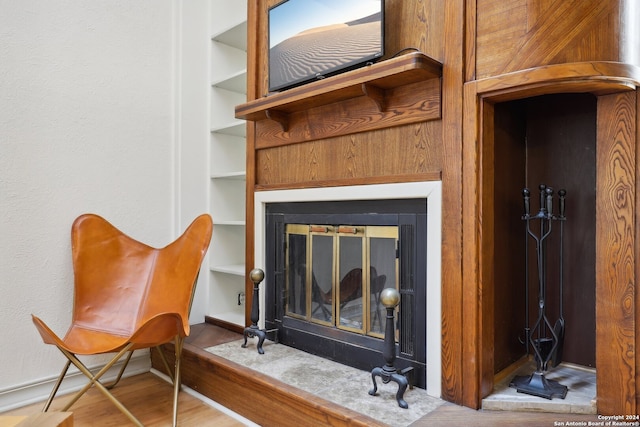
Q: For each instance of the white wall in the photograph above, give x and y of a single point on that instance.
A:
(91, 103)
(193, 133)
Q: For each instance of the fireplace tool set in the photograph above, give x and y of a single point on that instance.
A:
(545, 339)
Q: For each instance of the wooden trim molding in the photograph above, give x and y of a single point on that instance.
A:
(598, 77)
(433, 176)
(455, 359)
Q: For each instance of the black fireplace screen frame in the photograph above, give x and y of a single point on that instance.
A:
(360, 351)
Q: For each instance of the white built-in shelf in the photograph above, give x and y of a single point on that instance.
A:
(228, 67)
(235, 82)
(233, 128)
(228, 88)
(234, 36)
(222, 107)
(231, 223)
(239, 175)
(234, 269)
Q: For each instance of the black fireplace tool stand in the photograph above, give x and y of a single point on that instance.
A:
(390, 298)
(546, 340)
(252, 331)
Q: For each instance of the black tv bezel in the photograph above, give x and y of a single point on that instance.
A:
(358, 63)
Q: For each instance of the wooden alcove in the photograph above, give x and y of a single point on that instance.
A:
(463, 122)
(571, 112)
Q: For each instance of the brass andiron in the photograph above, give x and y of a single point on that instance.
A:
(390, 298)
(252, 331)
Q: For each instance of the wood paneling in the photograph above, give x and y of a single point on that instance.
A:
(457, 363)
(416, 24)
(637, 252)
(561, 147)
(616, 255)
(519, 34)
(411, 103)
(509, 160)
(413, 149)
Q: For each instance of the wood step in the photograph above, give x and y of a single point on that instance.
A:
(256, 396)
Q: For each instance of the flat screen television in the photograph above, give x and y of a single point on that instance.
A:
(313, 39)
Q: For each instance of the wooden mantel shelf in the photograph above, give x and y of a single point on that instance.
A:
(372, 81)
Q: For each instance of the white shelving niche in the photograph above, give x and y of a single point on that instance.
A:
(228, 154)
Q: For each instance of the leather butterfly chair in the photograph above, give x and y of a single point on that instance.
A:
(128, 296)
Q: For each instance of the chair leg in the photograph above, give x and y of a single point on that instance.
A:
(164, 362)
(177, 379)
(94, 381)
(126, 362)
(56, 386)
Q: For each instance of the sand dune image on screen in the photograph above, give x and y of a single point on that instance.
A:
(323, 49)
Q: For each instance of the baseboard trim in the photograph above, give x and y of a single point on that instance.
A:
(38, 391)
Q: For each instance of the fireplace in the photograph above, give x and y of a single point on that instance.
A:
(327, 254)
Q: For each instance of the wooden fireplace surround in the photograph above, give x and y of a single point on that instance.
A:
(428, 115)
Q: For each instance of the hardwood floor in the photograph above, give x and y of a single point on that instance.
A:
(149, 398)
(454, 415)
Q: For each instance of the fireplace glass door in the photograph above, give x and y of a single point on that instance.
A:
(335, 274)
